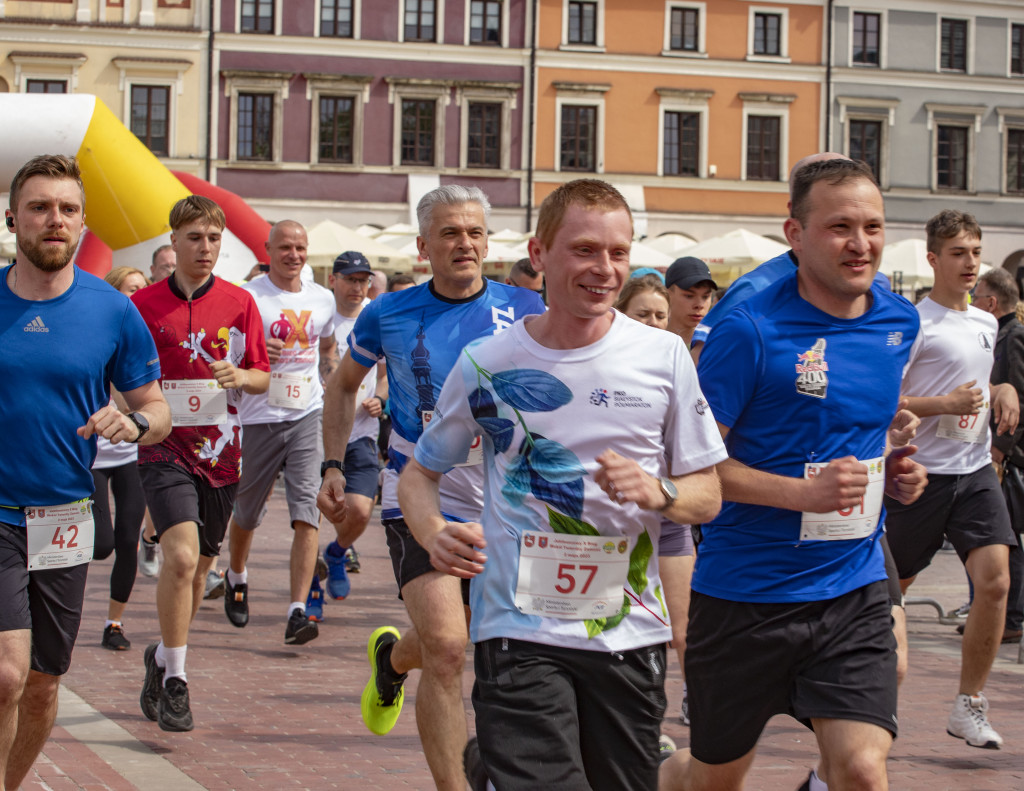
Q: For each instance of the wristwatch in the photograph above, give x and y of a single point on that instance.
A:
(325, 466)
(670, 491)
(140, 423)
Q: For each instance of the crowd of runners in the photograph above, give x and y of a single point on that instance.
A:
(577, 469)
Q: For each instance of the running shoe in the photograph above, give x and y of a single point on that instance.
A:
(149, 560)
(960, 612)
(321, 567)
(214, 584)
(301, 628)
(175, 712)
(338, 585)
(383, 695)
(684, 714)
(315, 600)
(352, 560)
(114, 639)
(149, 700)
(473, 766)
(236, 603)
(969, 721)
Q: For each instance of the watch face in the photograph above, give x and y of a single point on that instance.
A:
(669, 488)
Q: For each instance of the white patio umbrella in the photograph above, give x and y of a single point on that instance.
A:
(735, 253)
(907, 262)
(673, 244)
(328, 239)
(642, 254)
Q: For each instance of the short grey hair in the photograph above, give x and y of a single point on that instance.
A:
(449, 195)
(1002, 284)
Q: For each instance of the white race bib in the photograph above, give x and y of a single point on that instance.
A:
(196, 402)
(291, 391)
(964, 428)
(476, 450)
(846, 524)
(59, 536)
(571, 577)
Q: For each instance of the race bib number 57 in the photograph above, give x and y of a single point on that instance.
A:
(59, 536)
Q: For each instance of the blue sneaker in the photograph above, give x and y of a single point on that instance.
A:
(338, 585)
(315, 601)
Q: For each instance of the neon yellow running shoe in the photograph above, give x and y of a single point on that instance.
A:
(383, 695)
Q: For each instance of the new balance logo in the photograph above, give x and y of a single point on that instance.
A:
(36, 325)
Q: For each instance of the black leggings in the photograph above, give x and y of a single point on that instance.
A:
(121, 536)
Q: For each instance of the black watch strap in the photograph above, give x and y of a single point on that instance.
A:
(140, 423)
(325, 466)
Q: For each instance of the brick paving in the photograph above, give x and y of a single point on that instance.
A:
(271, 716)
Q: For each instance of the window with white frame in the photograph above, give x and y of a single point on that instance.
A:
(43, 72)
(583, 23)
(953, 44)
(337, 19)
(1011, 128)
(151, 116)
(487, 22)
(418, 125)
(150, 87)
(866, 123)
(337, 103)
(765, 136)
(579, 126)
(256, 131)
(419, 20)
(954, 129)
(866, 38)
(1017, 49)
(683, 131)
(486, 133)
(768, 33)
(684, 28)
(257, 16)
(46, 86)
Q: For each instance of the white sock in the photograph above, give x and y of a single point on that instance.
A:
(238, 579)
(815, 783)
(111, 623)
(175, 667)
(158, 655)
(296, 604)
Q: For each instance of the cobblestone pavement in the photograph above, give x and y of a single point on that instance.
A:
(271, 716)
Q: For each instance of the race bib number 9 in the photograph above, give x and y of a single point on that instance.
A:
(59, 536)
(964, 428)
(571, 577)
(476, 450)
(196, 402)
(291, 391)
(846, 524)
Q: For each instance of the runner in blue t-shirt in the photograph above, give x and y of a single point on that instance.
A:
(420, 332)
(804, 382)
(56, 402)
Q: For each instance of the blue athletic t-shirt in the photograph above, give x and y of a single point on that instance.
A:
(60, 357)
(796, 385)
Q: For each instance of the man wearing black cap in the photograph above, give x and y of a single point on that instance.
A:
(283, 425)
(690, 289)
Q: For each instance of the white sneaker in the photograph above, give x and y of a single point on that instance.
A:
(968, 721)
(149, 561)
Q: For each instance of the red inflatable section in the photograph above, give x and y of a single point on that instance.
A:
(94, 256)
(251, 229)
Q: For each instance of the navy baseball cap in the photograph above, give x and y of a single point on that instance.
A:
(687, 272)
(351, 262)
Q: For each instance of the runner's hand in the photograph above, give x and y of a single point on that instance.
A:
(1005, 408)
(625, 481)
(274, 347)
(456, 549)
(965, 400)
(840, 484)
(905, 479)
(227, 376)
(904, 425)
(111, 424)
(331, 497)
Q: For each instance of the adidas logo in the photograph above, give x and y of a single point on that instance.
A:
(36, 325)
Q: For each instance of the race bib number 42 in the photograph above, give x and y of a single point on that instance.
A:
(196, 402)
(59, 536)
(859, 521)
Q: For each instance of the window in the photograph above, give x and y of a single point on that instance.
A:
(337, 127)
(255, 139)
(420, 22)
(46, 86)
(1017, 49)
(336, 18)
(954, 45)
(418, 131)
(483, 145)
(150, 112)
(866, 44)
(582, 23)
(763, 139)
(682, 144)
(866, 144)
(951, 157)
(1015, 160)
(257, 16)
(767, 34)
(684, 30)
(578, 145)
(485, 22)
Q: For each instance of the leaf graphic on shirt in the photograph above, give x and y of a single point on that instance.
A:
(595, 626)
(638, 560)
(561, 523)
(554, 462)
(481, 404)
(531, 390)
(517, 481)
(661, 600)
(566, 497)
(499, 430)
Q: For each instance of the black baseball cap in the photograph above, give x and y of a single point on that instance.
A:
(351, 262)
(686, 272)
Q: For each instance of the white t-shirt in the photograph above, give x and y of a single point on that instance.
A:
(953, 347)
(108, 455)
(363, 425)
(546, 414)
(300, 319)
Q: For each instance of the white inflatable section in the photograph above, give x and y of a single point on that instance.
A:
(30, 125)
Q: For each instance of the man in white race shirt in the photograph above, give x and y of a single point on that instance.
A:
(586, 446)
(350, 281)
(283, 426)
(947, 384)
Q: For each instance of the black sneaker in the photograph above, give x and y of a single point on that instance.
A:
(149, 700)
(236, 603)
(473, 766)
(114, 639)
(301, 628)
(175, 714)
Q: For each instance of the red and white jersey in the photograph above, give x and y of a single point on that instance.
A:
(220, 321)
